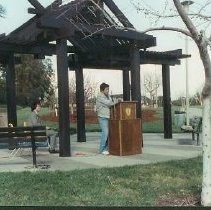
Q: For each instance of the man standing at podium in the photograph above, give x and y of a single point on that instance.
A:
(103, 103)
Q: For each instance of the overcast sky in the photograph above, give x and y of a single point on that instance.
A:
(17, 15)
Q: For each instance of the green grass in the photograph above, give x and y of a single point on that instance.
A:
(148, 127)
(139, 185)
(23, 115)
(157, 126)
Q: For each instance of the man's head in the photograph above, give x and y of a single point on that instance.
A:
(104, 88)
(35, 106)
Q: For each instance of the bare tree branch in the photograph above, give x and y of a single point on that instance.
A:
(191, 27)
(2, 11)
(202, 43)
(163, 28)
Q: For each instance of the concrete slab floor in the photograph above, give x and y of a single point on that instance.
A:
(85, 155)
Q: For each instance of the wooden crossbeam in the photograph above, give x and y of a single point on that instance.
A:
(37, 5)
(34, 11)
(116, 60)
(44, 49)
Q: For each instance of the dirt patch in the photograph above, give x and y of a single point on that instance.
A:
(91, 117)
(182, 200)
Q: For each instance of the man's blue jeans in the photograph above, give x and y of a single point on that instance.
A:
(104, 133)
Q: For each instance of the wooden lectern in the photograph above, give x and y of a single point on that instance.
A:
(125, 137)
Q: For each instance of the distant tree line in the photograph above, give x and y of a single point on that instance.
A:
(193, 100)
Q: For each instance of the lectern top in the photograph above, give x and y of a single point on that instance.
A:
(123, 110)
(124, 102)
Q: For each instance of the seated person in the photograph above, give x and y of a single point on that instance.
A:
(34, 120)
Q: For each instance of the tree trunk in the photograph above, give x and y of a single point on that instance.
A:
(206, 124)
(202, 43)
(206, 131)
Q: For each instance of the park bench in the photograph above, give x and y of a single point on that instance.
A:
(18, 135)
(194, 127)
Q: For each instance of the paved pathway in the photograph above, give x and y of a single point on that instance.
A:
(85, 155)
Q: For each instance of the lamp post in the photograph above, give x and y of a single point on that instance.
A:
(186, 5)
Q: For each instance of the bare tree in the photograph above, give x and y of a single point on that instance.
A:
(151, 85)
(90, 88)
(203, 42)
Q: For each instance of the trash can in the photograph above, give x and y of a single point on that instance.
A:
(179, 118)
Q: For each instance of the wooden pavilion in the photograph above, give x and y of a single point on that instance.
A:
(97, 40)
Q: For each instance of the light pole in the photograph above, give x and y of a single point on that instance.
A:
(186, 5)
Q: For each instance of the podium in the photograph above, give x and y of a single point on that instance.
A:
(125, 137)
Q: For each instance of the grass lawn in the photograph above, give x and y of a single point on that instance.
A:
(141, 185)
(148, 127)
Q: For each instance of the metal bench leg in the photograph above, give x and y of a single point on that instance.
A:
(16, 152)
(34, 151)
(193, 136)
(12, 153)
(197, 139)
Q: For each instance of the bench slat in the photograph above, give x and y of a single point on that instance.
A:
(14, 129)
(22, 134)
(19, 139)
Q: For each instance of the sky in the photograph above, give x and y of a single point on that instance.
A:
(16, 15)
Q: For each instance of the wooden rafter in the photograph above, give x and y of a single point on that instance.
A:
(118, 13)
(74, 21)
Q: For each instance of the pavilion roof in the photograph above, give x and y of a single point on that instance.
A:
(84, 23)
(96, 29)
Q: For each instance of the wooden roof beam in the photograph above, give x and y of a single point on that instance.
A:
(121, 65)
(170, 62)
(173, 54)
(118, 13)
(36, 4)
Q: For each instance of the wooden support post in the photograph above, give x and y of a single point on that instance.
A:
(63, 98)
(167, 102)
(11, 95)
(81, 133)
(11, 90)
(126, 85)
(135, 79)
